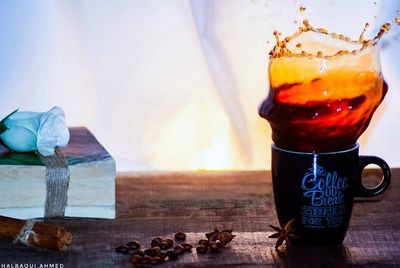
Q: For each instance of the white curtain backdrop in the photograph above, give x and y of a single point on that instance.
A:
(176, 84)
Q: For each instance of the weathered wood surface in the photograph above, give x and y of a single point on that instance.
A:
(160, 204)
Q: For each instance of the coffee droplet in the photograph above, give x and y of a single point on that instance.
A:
(397, 20)
(302, 9)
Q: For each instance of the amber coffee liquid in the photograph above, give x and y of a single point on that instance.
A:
(322, 99)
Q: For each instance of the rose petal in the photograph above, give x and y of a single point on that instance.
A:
(19, 139)
(52, 131)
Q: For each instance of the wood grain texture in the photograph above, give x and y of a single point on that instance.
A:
(160, 204)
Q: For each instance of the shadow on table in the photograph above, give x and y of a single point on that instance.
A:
(313, 257)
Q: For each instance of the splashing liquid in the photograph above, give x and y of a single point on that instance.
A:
(324, 89)
(397, 20)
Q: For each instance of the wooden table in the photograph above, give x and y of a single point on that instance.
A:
(160, 204)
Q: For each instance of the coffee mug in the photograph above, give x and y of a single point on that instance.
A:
(317, 191)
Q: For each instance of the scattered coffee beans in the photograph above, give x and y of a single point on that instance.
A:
(161, 251)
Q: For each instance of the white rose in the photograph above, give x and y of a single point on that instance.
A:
(29, 131)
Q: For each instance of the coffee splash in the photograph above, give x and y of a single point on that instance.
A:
(324, 89)
(281, 49)
(397, 20)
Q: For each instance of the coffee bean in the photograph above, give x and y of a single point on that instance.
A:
(156, 242)
(136, 259)
(146, 259)
(152, 251)
(186, 246)
(164, 245)
(170, 242)
(203, 242)
(180, 236)
(161, 255)
(201, 249)
(155, 260)
(179, 249)
(122, 249)
(133, 245)
(172, 255)
(138, 252)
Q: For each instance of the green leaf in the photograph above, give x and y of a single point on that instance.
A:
(3, 126)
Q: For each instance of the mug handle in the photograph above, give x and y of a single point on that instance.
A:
(364, 161)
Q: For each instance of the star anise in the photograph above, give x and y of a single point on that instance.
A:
(225, 236)
(286, 233)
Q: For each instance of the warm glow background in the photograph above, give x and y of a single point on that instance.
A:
(175, 84)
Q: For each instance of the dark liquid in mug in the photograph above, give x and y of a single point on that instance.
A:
(319, 125)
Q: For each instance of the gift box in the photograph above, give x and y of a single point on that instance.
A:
(78, 181)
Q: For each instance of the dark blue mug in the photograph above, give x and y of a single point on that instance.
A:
(317, 191)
